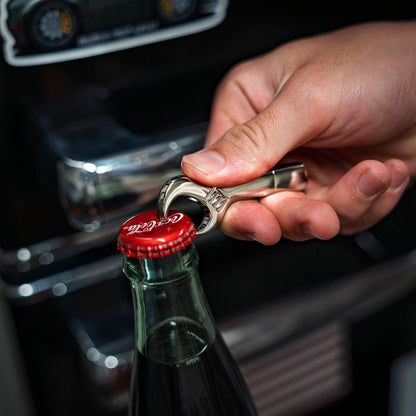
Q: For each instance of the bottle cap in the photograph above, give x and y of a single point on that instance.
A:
(145, 236)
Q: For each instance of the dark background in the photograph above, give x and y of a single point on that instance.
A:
(158, 86)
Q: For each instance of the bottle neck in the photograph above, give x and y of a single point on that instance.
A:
(161, 270)
(173, 320)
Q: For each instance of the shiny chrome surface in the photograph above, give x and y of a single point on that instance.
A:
(215, 201)
(45, 253)
(98, 191)
(63, 283)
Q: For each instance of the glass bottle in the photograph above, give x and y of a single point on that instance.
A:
(182, 366)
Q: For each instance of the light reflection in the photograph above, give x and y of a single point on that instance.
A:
(93, 354)
(104, 169)
(173, 146)
(23, 254)
(26, 290)
(90, 167)
(111, 362)
(46, 258)
(59, 289)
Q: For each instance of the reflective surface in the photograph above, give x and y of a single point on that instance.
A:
(215, 201)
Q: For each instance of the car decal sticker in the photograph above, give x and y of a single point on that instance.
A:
(55, 25)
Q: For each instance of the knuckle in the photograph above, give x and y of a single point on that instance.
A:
(249, 138)
(241, 68)
(236, 74)
(350, 217)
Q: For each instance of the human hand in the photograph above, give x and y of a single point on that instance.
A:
(343, 103)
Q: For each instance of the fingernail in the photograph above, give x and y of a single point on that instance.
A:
(397, 178)
(206, 161)
(253, 237)
(370, 184)
(307, 230)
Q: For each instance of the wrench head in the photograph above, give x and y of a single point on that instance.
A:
(182, 186)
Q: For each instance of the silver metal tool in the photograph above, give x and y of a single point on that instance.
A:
(215, 201)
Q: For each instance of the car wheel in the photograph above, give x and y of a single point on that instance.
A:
(174, 11)
(53, 25)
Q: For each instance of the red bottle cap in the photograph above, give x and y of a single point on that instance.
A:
(145, 236)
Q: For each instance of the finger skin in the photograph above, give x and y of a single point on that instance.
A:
(357, 210)
(353, 194)
(352, 87)
(288, 214)
(341, 208)
(301, 218)
(346, 102)
(232, 104)
(384, 203)
(250, 220)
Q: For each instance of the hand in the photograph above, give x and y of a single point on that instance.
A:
(343, 103)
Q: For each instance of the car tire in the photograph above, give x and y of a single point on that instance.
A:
(53, 25)
(175, 11)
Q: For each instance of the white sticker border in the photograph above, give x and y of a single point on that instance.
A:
(182, 29)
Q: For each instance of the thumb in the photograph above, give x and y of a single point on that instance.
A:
(247, 151)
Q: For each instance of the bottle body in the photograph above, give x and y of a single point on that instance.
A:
(209, 384)
(182, 366)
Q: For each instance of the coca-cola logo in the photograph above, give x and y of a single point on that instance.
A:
(149, 226)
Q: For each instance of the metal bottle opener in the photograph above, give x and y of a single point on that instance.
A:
(215, 201)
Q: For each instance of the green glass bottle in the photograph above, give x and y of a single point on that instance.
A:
(182, 366)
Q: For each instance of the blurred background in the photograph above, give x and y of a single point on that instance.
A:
(87, 139)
